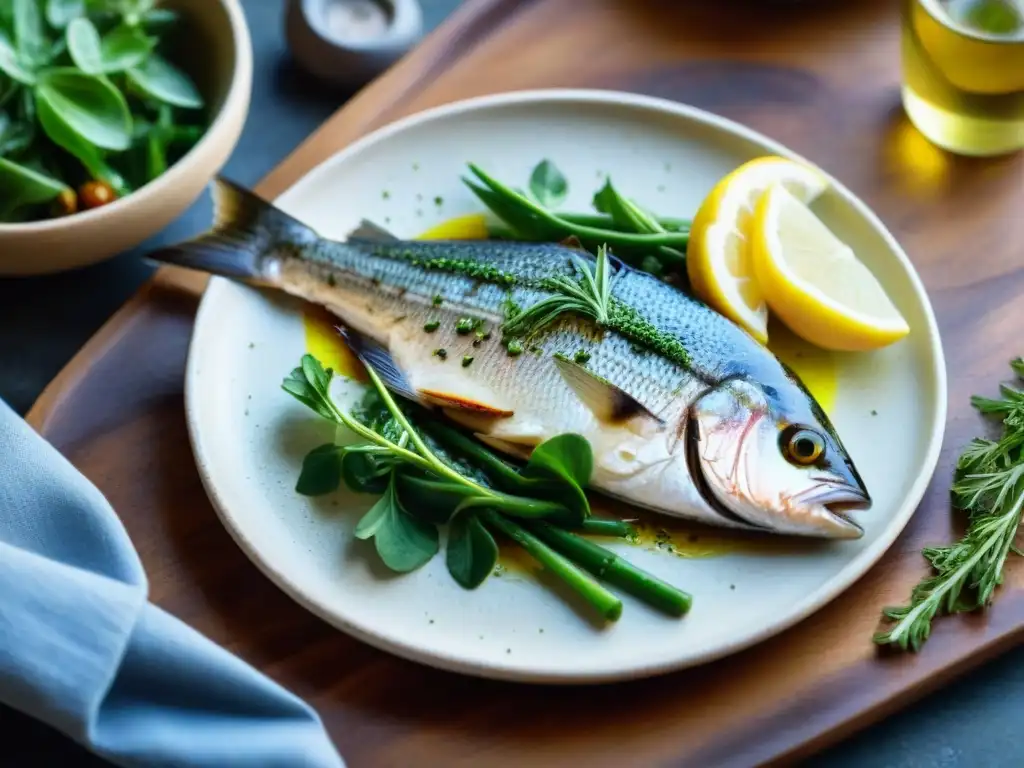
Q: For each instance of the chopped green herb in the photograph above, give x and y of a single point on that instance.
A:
(442, 353)
(386, 195)
(438, 201)
(438, 300)
(581, 356)
(432, 326)
(332, 280)
(467, 361)
(466, 325)
(514, 347)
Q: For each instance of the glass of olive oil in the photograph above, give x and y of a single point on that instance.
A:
(963, 73)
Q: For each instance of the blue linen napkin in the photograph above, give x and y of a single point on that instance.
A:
(82, 648)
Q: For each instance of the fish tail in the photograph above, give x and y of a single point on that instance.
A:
(245, 238)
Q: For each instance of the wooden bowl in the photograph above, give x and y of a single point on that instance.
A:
(222, 67)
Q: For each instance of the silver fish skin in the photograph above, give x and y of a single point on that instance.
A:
(724, 434)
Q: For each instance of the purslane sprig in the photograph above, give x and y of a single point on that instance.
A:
(988, 486)
(433, 474)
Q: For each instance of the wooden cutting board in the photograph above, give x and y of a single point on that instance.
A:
(821, 77)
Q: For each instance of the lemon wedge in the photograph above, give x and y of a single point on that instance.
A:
(815, 283)
(718, 260)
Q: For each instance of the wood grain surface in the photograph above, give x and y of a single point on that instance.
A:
(822, 78)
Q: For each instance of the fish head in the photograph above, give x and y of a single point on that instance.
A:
(769, 464)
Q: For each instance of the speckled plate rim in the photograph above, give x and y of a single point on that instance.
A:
(568, 97)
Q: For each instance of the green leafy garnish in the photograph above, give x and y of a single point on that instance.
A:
(434, 474)
(403, 542)
(526, 218)
(548, 185)
(163, 81)
(625, 212)
(988, 486)
(89, 107)
(84, 46)
(472, 552)
(60, 13)
(321, 471)
(21, 186)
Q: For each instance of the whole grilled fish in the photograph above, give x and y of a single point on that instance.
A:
(688, 416)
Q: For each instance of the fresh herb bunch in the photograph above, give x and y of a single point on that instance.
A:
(91, 108)
(988, 486)
(432, 474)
(657, 245)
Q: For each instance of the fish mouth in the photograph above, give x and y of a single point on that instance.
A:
(836, 499)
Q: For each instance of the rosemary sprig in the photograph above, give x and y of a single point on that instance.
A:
(589, 296)
(989, 486)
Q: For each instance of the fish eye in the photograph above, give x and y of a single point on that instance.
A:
(802, 446)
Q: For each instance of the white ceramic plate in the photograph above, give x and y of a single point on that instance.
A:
(249, 436)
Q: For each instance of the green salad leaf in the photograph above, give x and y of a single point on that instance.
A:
(160, 79)
(21, 186)
(471, 552)
(321, 471)
(89, 106)
(15, 137)
(365, 472)
(84, 46)
(77, 78)
(61, 133)
(124, 47)
(403, 542)
(624, 211)
(29, 35)
(11, 63)
(60, 13)
(547, 184)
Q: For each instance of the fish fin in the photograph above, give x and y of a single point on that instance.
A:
(605, 400)
(450, 401)
(367, 230)
(374, 355)
(246, 229)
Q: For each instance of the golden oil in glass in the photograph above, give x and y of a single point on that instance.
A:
(963, 73)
